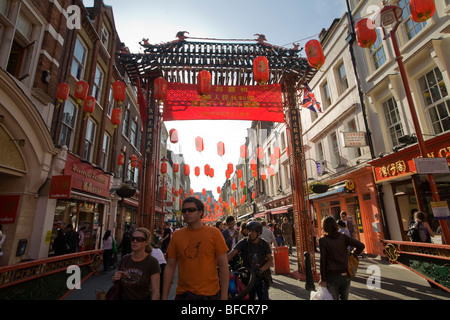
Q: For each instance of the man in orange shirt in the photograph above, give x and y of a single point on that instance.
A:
(198, 250)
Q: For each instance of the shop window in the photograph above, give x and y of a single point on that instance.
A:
(68, 125)
(393, 120)
(436, 99)
(88, 150)
(79, 60)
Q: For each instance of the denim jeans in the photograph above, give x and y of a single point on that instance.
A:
(261, 289)
(339, 286)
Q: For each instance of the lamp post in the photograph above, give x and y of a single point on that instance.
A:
(391, 15)
(163, 190)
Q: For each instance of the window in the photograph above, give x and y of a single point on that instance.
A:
(393, 120)
(336, 157)
(134, 133)
(79, 60)
(110, 101)
(67, 125)
(437, 103)
(411, 28)
(377, 51)
(283, 141)
(126, 123)
(342, 78)
(105, 151)
(105, 37)
(98, 83)
(326, 98)
(89, 141)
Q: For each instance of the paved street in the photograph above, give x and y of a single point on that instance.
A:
(395, 283)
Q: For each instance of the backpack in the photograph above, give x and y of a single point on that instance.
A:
(417, 232)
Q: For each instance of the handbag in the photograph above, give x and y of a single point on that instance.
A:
(353, 264)
(114, 292)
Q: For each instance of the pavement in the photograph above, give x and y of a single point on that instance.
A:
(376, 279)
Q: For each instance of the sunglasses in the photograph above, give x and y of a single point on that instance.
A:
(184, 210)
(138, 239)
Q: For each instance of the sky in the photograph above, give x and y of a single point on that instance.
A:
(283, 22)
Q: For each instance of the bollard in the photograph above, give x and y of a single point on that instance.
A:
(309, 286)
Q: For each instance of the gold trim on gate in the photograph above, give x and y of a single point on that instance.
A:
(391, 252)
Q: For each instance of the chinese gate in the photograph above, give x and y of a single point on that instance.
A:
(234, 95)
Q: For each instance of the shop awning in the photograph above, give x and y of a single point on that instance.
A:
(261, 214)
(245, 216)
(88, 197)
(280, 210)
(331, 191)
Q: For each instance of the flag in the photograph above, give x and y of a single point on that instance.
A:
(309, 100)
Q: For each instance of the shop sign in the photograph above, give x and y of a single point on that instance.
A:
(440, 210)
(9, 204)
(350, 186)
(87, 178)
(393, 167)
(60, 187)
(431, 165)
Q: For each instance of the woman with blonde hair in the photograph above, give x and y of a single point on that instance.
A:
(139, 272)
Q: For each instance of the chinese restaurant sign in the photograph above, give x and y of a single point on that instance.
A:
(87, 178)
(60, 187)
(9, 204)
(259, 103)
(403, 164)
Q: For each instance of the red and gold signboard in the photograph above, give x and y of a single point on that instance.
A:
(402, 163)
(86, 178)
(259, 103)
(60, 187)
(9, 204)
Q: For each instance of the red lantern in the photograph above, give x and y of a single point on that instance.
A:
(263, 176)
(116, 117)
(197, 171)
(89, 106)
(121, 159)
(253, 164)
(314, 53)
(63, 93)
(242, 184)
(208, 199)
(230, 167)
(191, 192)
(199, 144)
(273, 159)
(254, 173)
(253, 195)
(134, 161)
(204, 83)
(119, 91)
(233, 186)
(81, 91)
(365, 33)
(220, 148)
(176, 167)
(186, 170)
(243, 151)
(271, 171)
(160, 89)
(260, 153)
(204, 191)
(239, 173)
(277, 152)
(218, 190)
(163, 167)
(206, 168)
(261, 70)
(173, 135)
(227, 174)
(422, 10)
(211, 172)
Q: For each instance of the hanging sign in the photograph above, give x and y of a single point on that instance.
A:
(440, 210)
(259, 103)
(60, 187)
(9, 205)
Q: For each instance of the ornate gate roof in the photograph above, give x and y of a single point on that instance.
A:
(229, 63)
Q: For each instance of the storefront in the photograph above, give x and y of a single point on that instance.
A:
(406, 189)
(354, 193)
(83, 199)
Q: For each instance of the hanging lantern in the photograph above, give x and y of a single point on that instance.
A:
(261, 70)
(230, 167)
(173, 135)
(220, 200)
(211, 172)
(263, 176)
(253, 195)
(242, 184)
(163, 167)
(239, 173)
(62, 93)
(314, 53)
(254, 173)
(89, 106)
(422, 10)
(260, 153)
(220, 148)
(81, 91)
(199, 144)
(116, 117)
(277, 152)
(119, 92)
(273, 159)
(204, 191)
(253, 164)
(227, 174)
(271, 171)
(134, 161)
(121, 159)
(191, 192)
(233, 186)
(243, 151)
(187, 170)
(180, 191)
(208, 199)
(204, 83)
(197, 171)
(176, 167)
(366, 33)
(218, 190)
(206, 168)
(160, 89)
